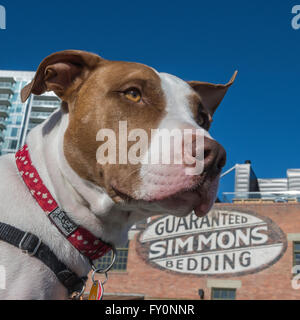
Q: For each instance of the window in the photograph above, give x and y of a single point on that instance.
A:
(121, 260)
(4, 96)
(46, 103)
(14, 132)
(6, 84)
(19, 120)
(297, 255)
(13, 144)
(223, 294)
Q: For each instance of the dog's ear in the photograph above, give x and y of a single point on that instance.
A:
(211, 94)
(61, 72)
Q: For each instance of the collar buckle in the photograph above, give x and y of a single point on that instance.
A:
(27, 242)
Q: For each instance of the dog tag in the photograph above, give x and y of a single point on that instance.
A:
(97, 291)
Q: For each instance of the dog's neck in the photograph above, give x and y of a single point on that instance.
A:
(87, 204)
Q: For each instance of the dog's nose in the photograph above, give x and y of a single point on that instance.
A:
(214, 156)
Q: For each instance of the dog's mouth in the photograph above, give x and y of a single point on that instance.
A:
(199, 198)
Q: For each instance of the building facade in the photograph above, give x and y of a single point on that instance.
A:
(253, 254)
(17, 118)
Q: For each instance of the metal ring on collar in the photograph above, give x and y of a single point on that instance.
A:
(104, 282)
(113, 260)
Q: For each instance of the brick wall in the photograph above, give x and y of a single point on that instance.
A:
(271, 283)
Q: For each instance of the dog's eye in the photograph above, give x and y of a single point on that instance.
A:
(200, 121)
(133, 94)
(203, 120)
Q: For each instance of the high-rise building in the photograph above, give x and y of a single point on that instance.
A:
(17, 118)
(250, 188)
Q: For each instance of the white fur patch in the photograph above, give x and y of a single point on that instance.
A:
(178, 116)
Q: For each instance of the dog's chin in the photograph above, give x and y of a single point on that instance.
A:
(184, 203)
(198, 199)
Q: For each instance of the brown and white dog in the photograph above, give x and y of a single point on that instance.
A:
(105, 199)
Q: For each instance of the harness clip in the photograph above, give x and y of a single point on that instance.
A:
(28, 237)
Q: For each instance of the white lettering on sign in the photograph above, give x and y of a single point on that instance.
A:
(224, 242)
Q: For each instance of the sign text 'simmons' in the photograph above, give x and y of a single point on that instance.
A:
(224, 242)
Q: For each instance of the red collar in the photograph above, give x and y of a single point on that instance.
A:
(85, 242)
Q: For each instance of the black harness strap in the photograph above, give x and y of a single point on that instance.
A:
(34, 247)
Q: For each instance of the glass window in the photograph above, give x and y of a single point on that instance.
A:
(6, 84)
(19, 120)
(13, 144)
(121, 260)
(12, 119)
(4, 96)
(223, 294)
(14, 132)
(297, 246)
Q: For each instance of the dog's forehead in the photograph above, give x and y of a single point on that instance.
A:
(179, 97)
(170, 80)
(177, 90)
(120, 71)
(117, 71)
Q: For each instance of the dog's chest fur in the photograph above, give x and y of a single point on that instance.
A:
(26, 277)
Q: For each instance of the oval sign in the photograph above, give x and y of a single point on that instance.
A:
(226, 242)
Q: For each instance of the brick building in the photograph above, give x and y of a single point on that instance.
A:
(246, 249)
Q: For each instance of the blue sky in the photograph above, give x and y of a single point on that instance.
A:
(195, 40)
